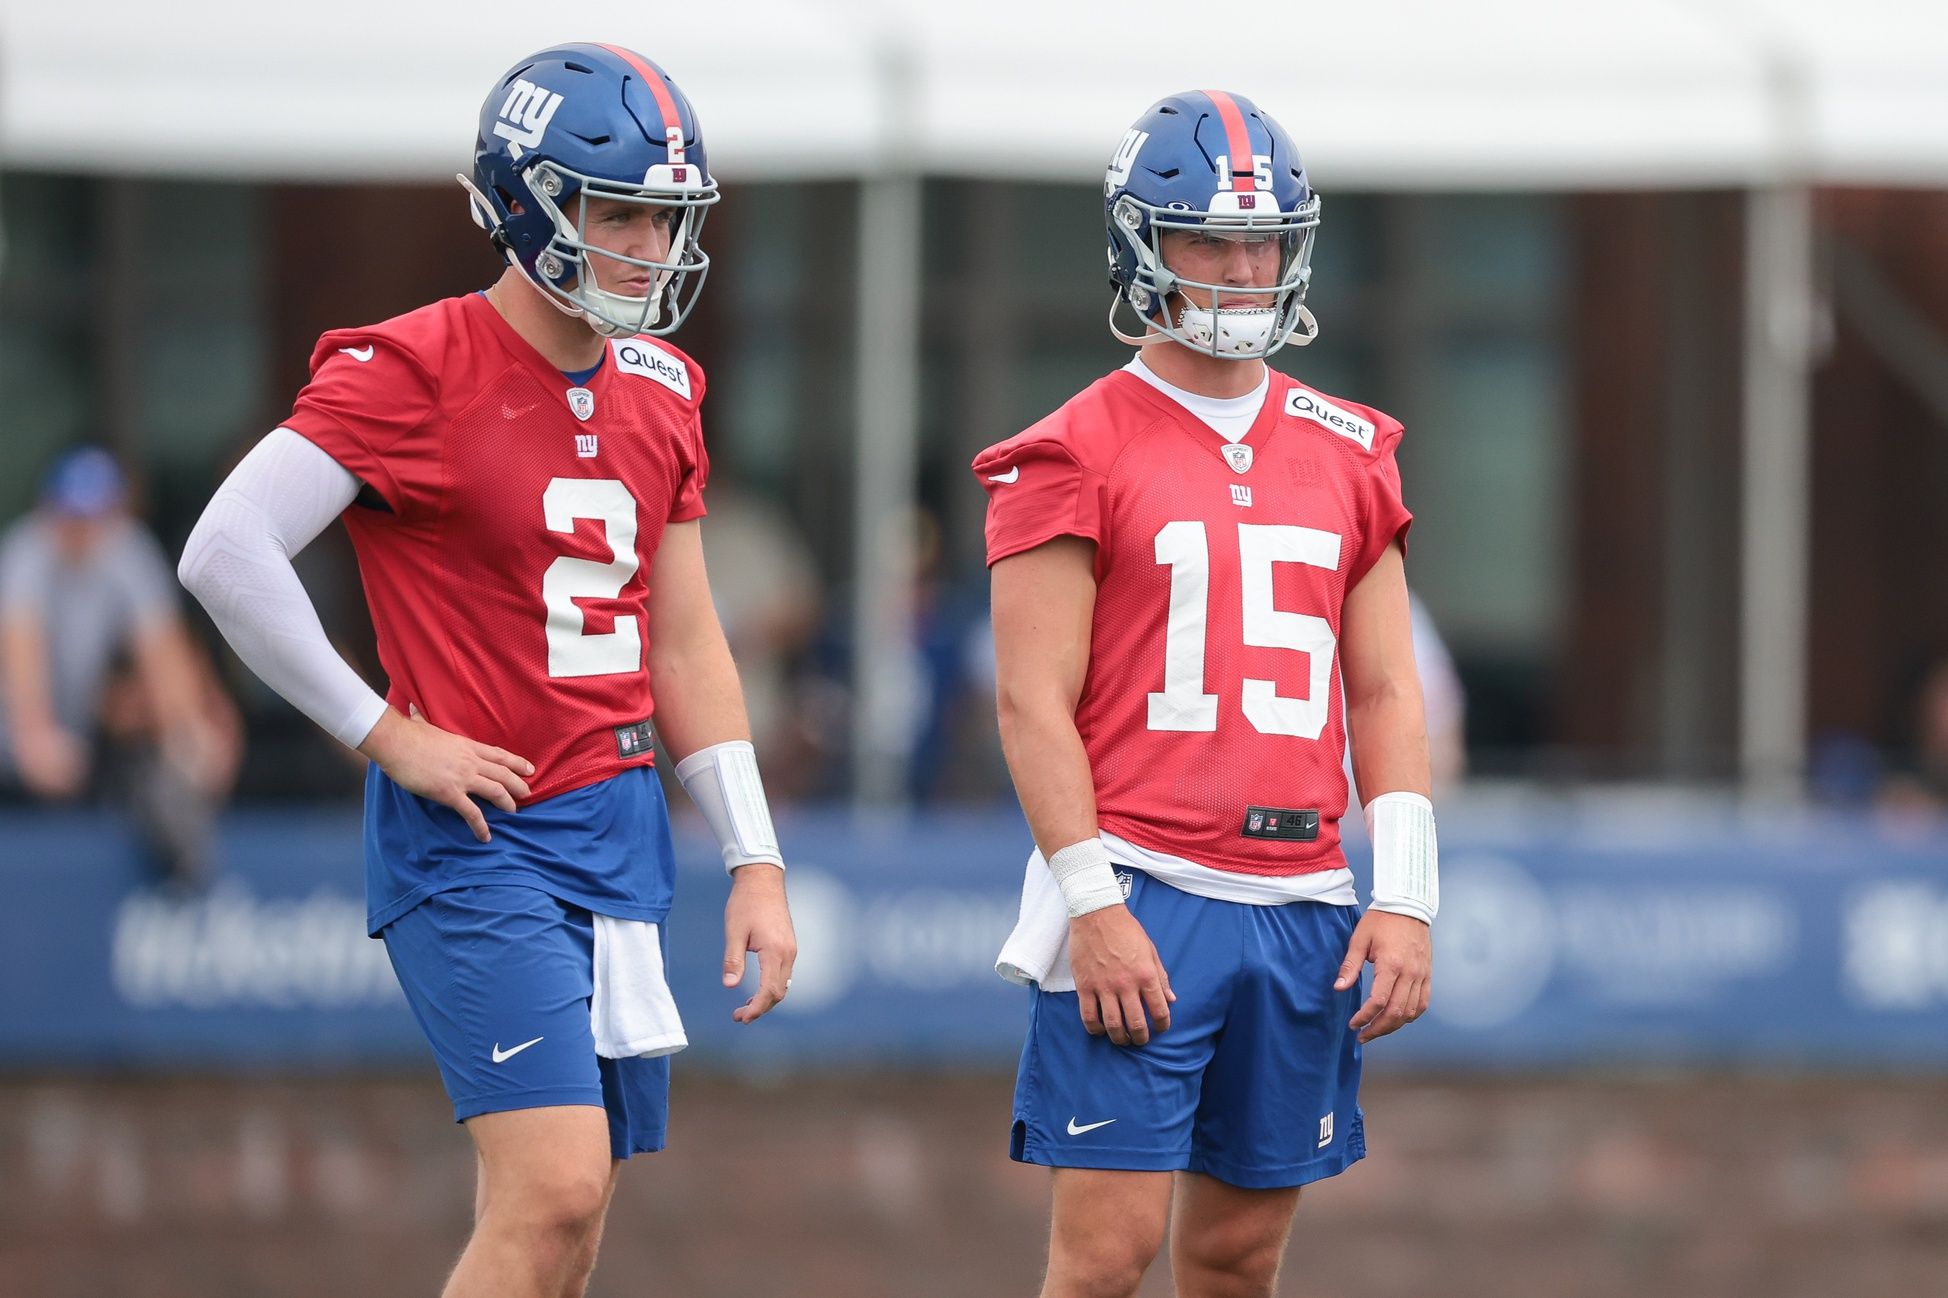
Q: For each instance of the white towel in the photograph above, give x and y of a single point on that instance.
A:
(1037, 952)
(631, 1009)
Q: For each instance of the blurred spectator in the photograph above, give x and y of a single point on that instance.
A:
(1921, 779)
(1442, 699)
(766, 589)
(102, 690)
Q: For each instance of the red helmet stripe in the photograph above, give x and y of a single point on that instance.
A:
(1238, 140)
(654, 80)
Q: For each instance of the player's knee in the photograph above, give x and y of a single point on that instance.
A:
(1231, 1263)
(564, 1202)
(1104, 1263)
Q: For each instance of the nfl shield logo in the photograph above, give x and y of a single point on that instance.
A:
(1255, 822)
(582, 402)
(1237, 455)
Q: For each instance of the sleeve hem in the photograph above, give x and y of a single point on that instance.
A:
(387, 487)
(1008, 549)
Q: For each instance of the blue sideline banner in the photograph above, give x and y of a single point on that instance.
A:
(1602, 938)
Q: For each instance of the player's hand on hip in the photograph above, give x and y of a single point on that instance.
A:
(1401, 951)
(757, 921)
(446, 768)
(1121, 987)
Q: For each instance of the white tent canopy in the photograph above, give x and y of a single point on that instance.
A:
(1381, 93)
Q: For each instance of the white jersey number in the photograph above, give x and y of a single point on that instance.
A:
(1183, 704)
(571, 651)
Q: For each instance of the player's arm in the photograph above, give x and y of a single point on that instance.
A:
(700, 719)
(237, 562)
(197, 722)
(1044, 605)
(53, 761)
(1389, 736)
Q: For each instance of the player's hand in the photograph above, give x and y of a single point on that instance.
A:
(53, 762)
(446, 768)
(1401, 951)
(1120, 983)
(757, 921)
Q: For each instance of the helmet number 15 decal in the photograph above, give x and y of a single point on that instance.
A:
(1261, 170)
(1182, 704)
(571, 650)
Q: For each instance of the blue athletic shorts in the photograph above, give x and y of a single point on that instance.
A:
(499, 977)
(1256, 1082)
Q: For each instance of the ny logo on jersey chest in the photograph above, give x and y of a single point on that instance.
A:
(1241, 495)
(585, 445)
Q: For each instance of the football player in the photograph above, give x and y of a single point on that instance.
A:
(522, 474)
(1189, 559)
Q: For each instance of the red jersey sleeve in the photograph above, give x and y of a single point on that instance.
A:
(370, 405)
(1037, 491)
(687, 503)
(1387, 515)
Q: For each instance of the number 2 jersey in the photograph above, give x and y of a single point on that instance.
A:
(1211, 709)
(506, 534)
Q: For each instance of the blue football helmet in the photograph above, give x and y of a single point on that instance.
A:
(585, 121)
(1214, 163)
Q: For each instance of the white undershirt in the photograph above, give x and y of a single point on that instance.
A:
(1229, 417)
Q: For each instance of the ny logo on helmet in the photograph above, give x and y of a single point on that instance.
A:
(1119, 166)
(525, 115)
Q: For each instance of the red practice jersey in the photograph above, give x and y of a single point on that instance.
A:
(1211, 711)
(506, 556)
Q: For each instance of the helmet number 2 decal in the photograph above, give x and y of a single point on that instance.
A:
(1119, 166)
(525, 115)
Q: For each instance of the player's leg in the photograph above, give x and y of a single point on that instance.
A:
(1105, 1231)
(586, 1265)
(1280, 1104)
(499, 977)
(1115, 1121)
(1225, 1241)
(545, 1184)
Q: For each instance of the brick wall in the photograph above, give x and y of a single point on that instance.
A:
(1671, 1186)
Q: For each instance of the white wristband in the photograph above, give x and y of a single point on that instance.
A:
(723, 781)
(1406, 856)
(1086, 876)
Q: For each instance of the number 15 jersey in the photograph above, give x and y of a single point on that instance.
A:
(506, 540)
(1211, 709)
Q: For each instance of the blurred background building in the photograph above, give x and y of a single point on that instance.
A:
(1660, 291)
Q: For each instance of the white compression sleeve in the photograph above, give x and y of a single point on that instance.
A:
(238, 563)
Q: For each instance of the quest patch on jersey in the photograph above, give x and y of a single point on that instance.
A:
(1281, 822)
(1310, 405)
(634, 356)
(634, 741)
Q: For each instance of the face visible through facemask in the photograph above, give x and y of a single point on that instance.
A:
(1226, 318)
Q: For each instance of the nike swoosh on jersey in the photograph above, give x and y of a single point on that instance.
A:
(502, 1056)
(360, 354)
(1077, 1131)
(1009, 476)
